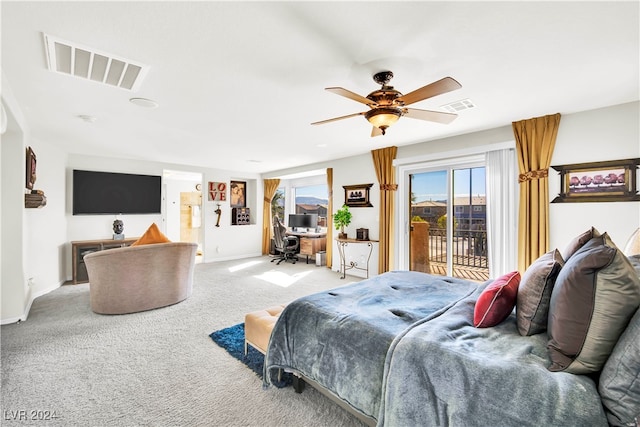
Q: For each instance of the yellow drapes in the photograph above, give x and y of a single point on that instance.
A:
(270, 187)
(330, 217)
(383, 164)
(535, 141)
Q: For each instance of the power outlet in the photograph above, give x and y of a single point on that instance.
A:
(30, 282)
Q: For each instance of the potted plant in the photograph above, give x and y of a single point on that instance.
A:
(341, 219)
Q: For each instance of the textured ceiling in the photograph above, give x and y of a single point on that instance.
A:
(238, 83)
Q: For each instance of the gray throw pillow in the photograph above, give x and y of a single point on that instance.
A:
(619, 385)
(579, 241)
(595, 295)
(635, 262)
(534, 293)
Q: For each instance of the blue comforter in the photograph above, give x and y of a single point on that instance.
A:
(401, 348)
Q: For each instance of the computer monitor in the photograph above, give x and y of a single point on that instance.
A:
(297, 221)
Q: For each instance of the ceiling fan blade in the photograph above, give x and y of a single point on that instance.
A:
(351, 95)
(444, 85)
(337, 118)
(431, 116)
(375, 132)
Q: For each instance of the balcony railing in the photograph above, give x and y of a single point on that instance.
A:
(469, 247)
(469, 255)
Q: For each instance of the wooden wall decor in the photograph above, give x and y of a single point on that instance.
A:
(609, 181)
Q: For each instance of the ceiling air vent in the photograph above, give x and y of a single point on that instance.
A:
(456, 106)
(75, 60)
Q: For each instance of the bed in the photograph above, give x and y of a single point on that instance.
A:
(400, 349)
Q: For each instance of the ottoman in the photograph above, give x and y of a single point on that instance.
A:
(258, 326)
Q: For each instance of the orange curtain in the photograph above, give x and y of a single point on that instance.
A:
(535, 141)
(330, 217)
(383, 164)
(270, 187)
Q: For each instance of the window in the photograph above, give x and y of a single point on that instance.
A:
(278, 203)
(312, 199)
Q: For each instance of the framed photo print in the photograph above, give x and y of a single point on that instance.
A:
(238, 192)
(357, 195)
(610, 181)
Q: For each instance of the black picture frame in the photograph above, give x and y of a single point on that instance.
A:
(357, 196)
(238, 194)
(608, 181)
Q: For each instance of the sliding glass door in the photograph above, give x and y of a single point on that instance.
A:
(447, 228)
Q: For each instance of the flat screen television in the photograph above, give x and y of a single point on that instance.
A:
(102, 193)
(303, 221)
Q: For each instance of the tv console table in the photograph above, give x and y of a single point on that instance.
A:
(80, 248)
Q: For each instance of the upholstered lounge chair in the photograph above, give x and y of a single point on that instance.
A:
(139, 278)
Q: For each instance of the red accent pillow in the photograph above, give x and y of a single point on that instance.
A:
(497, 300)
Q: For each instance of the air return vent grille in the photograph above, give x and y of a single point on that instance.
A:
(79, 61)
(456, 106)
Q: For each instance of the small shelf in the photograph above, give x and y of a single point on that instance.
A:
(34, 200)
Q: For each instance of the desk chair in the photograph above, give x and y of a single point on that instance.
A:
(286, 246)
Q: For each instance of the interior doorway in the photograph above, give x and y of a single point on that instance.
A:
(182, 213)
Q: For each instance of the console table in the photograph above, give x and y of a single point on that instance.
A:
(80, 248)
(310, 243)
(342, 243)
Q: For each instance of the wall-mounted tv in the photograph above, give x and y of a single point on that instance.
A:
(101, 193)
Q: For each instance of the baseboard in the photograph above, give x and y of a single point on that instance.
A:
(27, 309)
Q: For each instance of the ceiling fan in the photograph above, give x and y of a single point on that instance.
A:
(387, 105)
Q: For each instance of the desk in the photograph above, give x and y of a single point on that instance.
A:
(310, 243)
(343, 263)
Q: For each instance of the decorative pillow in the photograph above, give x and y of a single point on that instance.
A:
(619, 384)
(496, 301)
(595, 295)
(578, 242)
(151, 236)
(534, 293)
(635, 262)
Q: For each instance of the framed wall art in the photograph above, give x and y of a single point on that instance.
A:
(217, 191)
(238, 194)
(609, 181)
(31, 169)
(357, 195)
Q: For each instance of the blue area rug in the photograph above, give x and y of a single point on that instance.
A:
(232, 340)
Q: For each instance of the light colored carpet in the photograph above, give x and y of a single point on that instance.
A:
(159, 368)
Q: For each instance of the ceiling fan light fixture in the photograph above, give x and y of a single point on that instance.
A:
(382, 118)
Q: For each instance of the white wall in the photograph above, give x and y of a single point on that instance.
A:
(15, 291)
(232, 241)
(605, 134)
(15, 294)
(45, 228)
